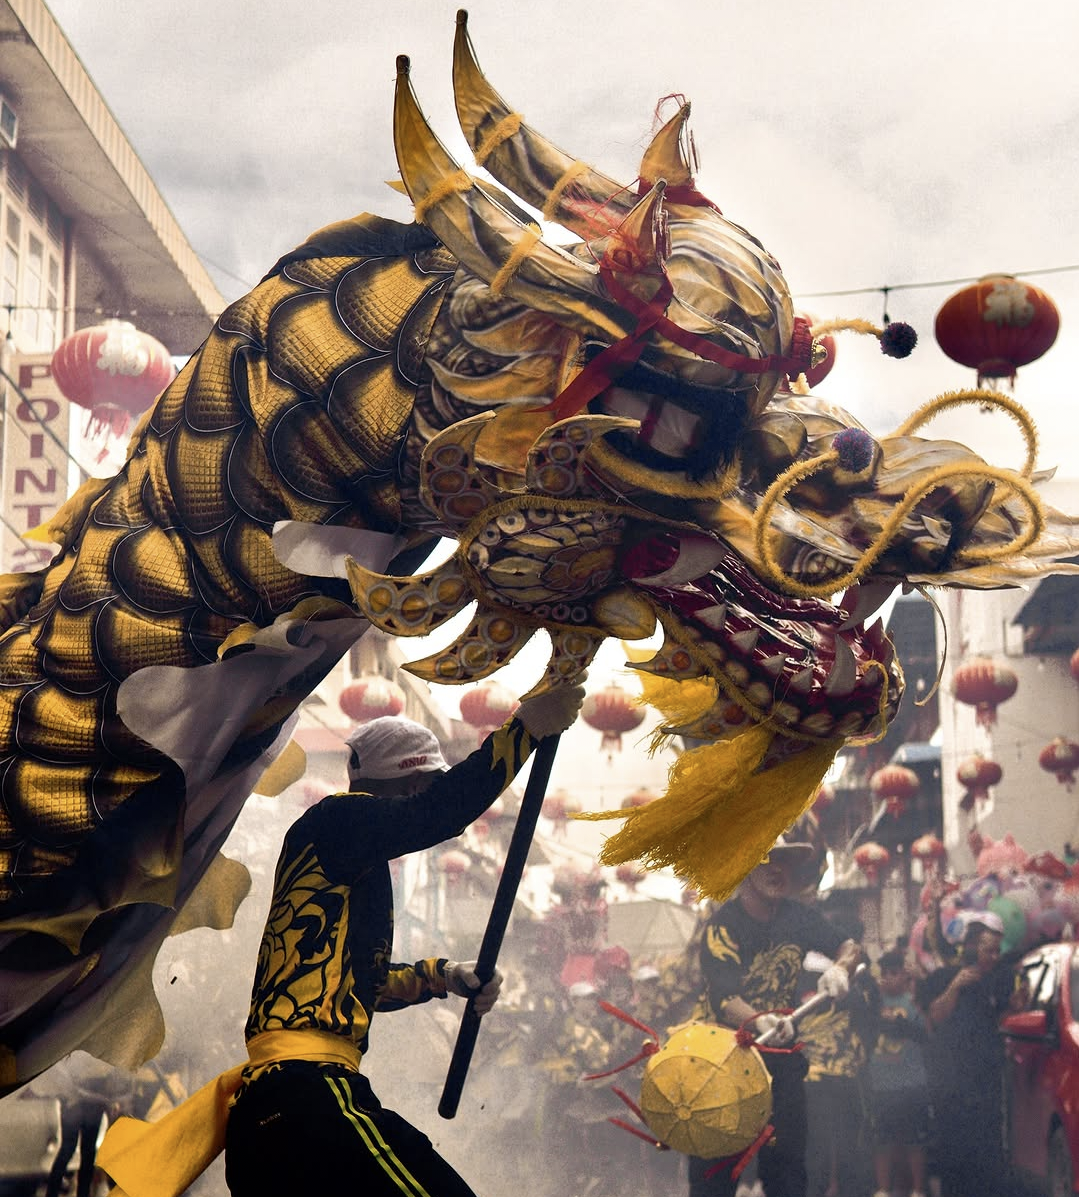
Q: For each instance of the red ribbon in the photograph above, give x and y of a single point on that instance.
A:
(679, 193)
(649, 1049)
(632, 1129)
(615, 359)
(744, 1037)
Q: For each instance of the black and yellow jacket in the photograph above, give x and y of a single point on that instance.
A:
(324, 962)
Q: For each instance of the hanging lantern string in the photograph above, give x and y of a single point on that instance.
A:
(1029, 733)
(919, 286)
(880, 289)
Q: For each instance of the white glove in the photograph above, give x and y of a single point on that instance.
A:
(551, 713)
(774, 1030)
(461, 980)
(834, 981)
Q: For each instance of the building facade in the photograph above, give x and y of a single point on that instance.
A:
(84, 235)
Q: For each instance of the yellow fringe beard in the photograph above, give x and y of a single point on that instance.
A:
(719, 816)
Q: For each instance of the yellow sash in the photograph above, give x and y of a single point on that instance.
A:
(162, 1159)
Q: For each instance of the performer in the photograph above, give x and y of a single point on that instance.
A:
(752, 955)
(302, 1116)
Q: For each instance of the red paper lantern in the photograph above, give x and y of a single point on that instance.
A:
(1060, 756)
(996, 325)
(984, 685)
(976, 775)
(453, 865)
(488, 706)
(612, 712)
(371, 697)
(897, 785)
(113, 370)
(928, 849)
(558, 807)
(1075, 665)
(630, 875)
(872, 859)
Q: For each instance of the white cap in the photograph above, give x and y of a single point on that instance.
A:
(393, 746)
(646, 972)
(989, 919)
(580, 989)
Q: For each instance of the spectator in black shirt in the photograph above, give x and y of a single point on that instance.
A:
(963, 1005)
(752, 955)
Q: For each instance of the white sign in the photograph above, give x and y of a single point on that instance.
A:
(34, 476)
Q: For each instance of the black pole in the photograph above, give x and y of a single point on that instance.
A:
(498, 920)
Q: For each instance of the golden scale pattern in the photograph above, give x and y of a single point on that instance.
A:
(294, 408)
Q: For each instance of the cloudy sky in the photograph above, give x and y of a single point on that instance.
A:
(867, 145)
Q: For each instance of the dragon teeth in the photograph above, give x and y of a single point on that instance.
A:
(802, 682)
(843, 676)
(746, 641)
(864, 600)
(774, 664)
(714, 617)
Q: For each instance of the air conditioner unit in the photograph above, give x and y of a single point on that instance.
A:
(9, 123)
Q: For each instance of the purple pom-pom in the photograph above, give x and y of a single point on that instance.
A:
(855, 449)
(898, 339)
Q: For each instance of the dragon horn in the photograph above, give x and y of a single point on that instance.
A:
(640, 244)
(566, 190)
(508, 255)
(665, 158)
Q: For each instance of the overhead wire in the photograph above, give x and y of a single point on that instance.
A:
(925, 285)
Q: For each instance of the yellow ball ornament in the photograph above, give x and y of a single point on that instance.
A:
(704, 1094)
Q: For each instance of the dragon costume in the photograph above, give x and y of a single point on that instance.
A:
(607, 432)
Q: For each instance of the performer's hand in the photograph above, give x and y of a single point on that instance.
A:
(779, 1028)
(461, 980)
(551, 713)
(834, 981)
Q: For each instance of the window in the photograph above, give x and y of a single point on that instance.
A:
(50, 317)
(32, 237)
(33, 286)
(9, 274)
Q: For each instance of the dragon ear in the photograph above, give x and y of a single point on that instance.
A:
(508, 255)
(566, 190)
(666, 157)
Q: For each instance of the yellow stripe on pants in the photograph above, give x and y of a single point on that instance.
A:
(375, 1143)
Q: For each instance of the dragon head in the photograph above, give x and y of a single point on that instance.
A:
(609, 432)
